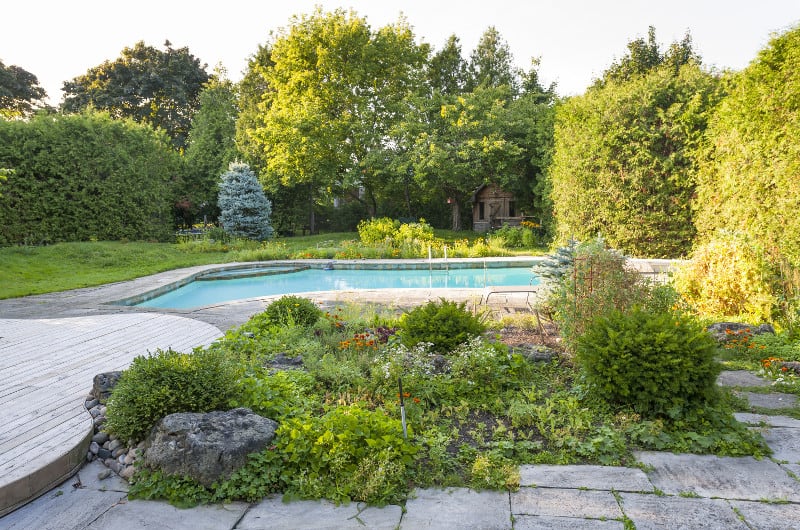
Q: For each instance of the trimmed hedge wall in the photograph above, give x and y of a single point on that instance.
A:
(85, 176)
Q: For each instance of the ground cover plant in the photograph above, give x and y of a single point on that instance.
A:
(475, 410)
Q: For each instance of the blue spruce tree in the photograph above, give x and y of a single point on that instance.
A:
(245, 210)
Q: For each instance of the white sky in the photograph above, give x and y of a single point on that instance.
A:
(575, 39)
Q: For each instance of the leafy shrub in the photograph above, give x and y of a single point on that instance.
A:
(347, 454)
(445, 324)
(514, 237)
(597, 282)
(658, 363)
(494, 471)
(372, 231)
(284, 393)
(293, 310)
(167, 382)
(729, 276)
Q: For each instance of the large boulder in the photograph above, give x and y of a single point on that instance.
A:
(207, 447)
(103, 384)
(726, 331)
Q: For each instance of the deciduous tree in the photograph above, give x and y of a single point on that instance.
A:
(160, 88)
(20, 93)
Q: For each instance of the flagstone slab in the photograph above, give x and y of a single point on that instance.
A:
(654, 512)
(591, 477)
(456, 509)
(565, 502)
(719, 477)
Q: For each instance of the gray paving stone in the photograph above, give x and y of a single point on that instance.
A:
(539, 522)
(274, 514)
(741, 378)
(766, 516)
(652, 512)
(63, 508)
(784, 442)
(792, 468)
(135, 515)
(88, 476)
(457, 508)
(565, 502)
(773, 400)
(774, 421)
(720, 477)
(591, 477)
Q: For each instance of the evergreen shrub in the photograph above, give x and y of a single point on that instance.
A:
(658, 363)
(167, 382)
(293, 310)
(445, 324)
(244, 209)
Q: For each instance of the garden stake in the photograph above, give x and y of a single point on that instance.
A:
(402, 408)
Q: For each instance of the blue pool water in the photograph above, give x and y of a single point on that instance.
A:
(202, 293)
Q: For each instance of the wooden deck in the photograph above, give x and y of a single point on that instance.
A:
(46, 372)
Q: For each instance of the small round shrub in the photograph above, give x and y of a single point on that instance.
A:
(167, 382)
(444, 324)
(658, 363)
(293, 310)
(380, 230)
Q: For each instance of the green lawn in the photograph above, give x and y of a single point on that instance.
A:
(26, 270)
(36, 270)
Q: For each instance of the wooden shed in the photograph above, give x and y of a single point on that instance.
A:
(492, 207)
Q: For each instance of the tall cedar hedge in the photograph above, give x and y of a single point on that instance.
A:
(624, 162)
(749, 179)
(84, 176)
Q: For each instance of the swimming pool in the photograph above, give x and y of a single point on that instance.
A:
(300, 280)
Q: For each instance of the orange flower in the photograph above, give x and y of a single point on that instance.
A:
(416, 400)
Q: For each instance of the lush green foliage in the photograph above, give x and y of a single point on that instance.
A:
(346, 454)
(522, 236)
(244, 209)
(292, 310)
(159, 88)
(166, 382)
(748, 177)
(444, 324)
(473, 415)
(83, 177)
(659, 364)
(624, 161)
(594, 284)
(20, 92)
(730, 276)
(210, 151)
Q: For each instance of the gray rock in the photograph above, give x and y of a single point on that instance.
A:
(113, 445)
(91, 403)
(103, 384)
(725, 331)
(103, 453)
(104, 474)
(207, 447)
(100, 438)
(94, 447)
(127, 472)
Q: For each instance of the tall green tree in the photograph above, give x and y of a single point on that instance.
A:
(492, 63)
(336, 88)
(160, 88)
(446, 72)
(212, 147)
(624, 161)
(748, 178)
(467, 147)
(20, 93)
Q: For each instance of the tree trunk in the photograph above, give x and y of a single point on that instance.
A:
(312, 219)
(456, 210)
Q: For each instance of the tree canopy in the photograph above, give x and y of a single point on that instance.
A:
(748, 179)
(624, 160)
(160, 88)
(336, 87)
(20, 93)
